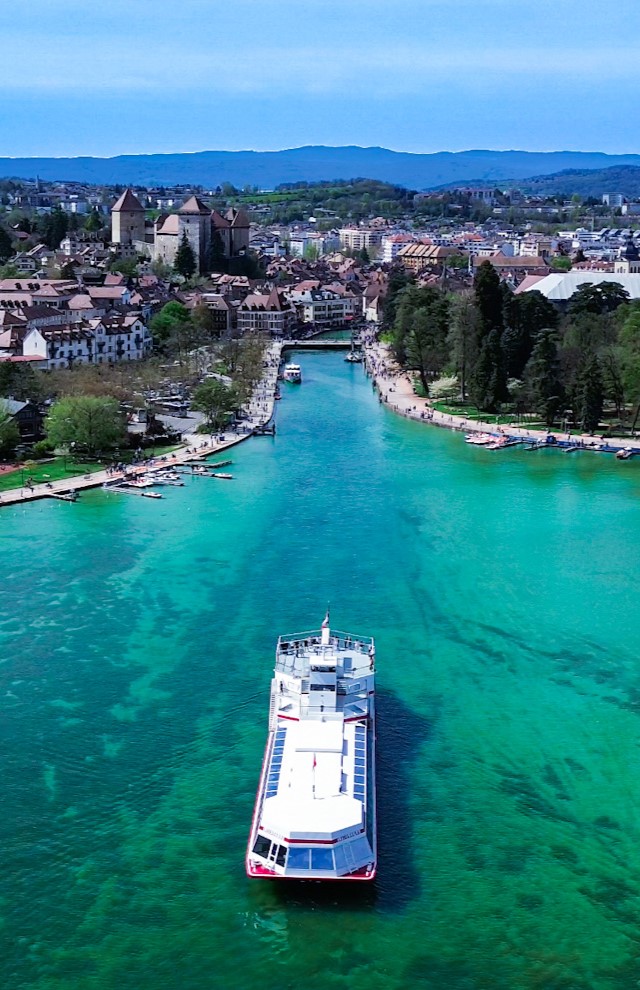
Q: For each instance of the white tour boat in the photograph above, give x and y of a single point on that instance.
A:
(292, 373)
(315, 810)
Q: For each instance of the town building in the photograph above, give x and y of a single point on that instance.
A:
(266, 313)
(629, 261)
(324, 307)
(101, 341)
(357, 238)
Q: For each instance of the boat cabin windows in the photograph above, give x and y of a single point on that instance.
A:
(261, 846)
(306, 858)
(322, 859)
(271, 851)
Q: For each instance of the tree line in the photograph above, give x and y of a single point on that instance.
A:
(517, 353)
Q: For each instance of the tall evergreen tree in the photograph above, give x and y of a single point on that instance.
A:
(589, 394)
(6, 250)
(605, 297)
(462, 338)
(542, 377)
(489, 379)
(525, 316)
(399, 279)
(215, 260)
(489, 300)
(185, 263)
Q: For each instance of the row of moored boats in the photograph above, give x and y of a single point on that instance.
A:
(497, 441)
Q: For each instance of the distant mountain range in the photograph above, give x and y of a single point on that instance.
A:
(624, 179)
(267, 169)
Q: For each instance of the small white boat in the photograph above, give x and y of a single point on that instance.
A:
(479, 439)
(170, 478)
(222, 475)
(625, 454)
(137, 482)
(292, 373)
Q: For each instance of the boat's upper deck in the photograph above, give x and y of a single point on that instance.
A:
(349, 656)
(315, 780)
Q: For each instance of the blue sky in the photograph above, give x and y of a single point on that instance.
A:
(417, 75)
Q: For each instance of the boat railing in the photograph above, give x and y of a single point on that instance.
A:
(340, 640)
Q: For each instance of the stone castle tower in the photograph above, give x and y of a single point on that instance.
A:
(194, 219)
(127, 220)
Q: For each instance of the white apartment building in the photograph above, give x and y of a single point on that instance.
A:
(324, 307)
(100, 341)
(356, 238)
(393, 243)
(301, 241)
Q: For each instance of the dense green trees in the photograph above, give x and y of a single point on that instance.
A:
(517, 352)
(6, 248)
(53, 227)
(420, 330)
(9, 433)
(217, 401)
(87, 423)
(172, 328)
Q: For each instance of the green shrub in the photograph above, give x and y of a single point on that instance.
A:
(42, 448)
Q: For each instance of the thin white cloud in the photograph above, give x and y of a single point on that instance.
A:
(274, 70)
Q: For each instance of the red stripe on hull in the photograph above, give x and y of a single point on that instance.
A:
(263, 873)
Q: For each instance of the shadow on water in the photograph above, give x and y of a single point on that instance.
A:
(400, 735)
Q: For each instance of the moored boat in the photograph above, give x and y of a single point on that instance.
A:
(480, 439)
(292, 373)
(315, 809)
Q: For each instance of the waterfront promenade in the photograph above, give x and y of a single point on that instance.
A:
(195, 446)
(395, 389)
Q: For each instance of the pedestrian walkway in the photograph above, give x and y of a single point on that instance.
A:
(395, 389)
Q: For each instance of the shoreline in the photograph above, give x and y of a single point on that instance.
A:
(260, 411)
(395, 390)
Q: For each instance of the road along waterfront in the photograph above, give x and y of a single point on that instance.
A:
(137, 652)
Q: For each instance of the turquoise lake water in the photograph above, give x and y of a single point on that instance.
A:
(137, 642)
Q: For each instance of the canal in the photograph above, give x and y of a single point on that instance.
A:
(137, 644)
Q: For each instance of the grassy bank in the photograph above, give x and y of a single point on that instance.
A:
(62, 468)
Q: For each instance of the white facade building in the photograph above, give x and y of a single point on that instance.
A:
(101, 341)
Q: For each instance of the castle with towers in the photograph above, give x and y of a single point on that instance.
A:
(209, 233)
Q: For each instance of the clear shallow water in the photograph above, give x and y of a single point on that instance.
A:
(137, 643)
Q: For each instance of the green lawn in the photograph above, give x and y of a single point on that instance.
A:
(63, 467)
